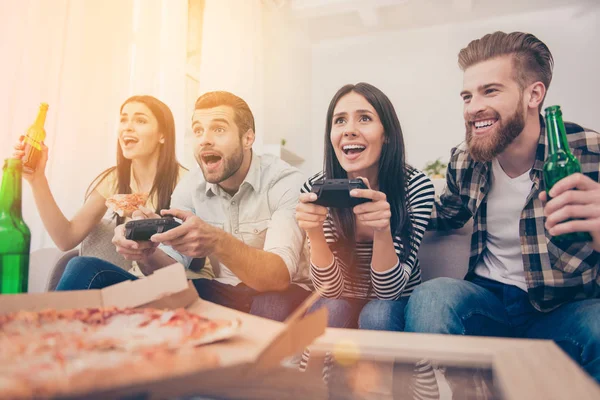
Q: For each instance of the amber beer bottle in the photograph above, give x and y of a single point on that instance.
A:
(15, 236)
(560, 162)
(33, 140)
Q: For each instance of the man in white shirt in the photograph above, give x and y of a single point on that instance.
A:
(237, 210)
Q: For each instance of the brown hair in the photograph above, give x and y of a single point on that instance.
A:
(167, 170)
(532, 59)
(243, 116)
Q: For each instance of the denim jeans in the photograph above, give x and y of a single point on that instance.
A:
(381, 315)
(488, 308)
(83, 273)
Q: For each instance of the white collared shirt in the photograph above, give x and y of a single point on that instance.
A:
(261, 214)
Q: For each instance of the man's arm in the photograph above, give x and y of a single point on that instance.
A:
(274, 266)
(267, 269)
(449, 212)
(261, 270)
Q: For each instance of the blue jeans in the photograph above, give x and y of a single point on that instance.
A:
(82, 273)
(380, 315)
(488, 308)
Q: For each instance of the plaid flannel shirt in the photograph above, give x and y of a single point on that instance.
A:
(555, 273)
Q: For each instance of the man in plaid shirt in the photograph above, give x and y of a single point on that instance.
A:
(521, 282)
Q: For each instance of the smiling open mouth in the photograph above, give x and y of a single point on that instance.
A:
(483, 124)
(351, 149)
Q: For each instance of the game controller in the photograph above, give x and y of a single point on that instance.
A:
(336, 192)
(143, 229)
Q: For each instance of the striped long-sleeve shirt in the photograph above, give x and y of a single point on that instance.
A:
(333, 281)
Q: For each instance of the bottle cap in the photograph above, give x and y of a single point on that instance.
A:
(553, 110)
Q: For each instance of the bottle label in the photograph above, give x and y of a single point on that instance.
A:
(32, 142)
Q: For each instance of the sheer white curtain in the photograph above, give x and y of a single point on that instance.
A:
(85, 57)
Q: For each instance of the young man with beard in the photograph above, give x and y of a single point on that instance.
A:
(521, 282)
(238, 210)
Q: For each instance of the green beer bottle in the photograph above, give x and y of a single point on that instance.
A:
(15, 236)
(560, 162)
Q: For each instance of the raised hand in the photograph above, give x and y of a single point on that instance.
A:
(19, 153)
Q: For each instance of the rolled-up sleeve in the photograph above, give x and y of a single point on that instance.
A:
(284, 237)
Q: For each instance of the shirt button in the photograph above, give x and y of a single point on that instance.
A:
(233, 203)
(256, 231)
(236, 231)
(481, 189)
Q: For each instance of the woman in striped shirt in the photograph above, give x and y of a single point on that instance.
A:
(364, 260)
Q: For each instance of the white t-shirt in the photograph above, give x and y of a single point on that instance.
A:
(502, 261)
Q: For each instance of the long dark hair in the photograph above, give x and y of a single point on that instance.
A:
(392, 172)
(167, 169)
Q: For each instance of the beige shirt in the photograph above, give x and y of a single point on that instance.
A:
(108, 187)
(261, 214)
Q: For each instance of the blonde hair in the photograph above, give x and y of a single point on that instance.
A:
(532, 59)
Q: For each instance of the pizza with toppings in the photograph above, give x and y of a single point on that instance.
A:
(125, 204)
(52, 353)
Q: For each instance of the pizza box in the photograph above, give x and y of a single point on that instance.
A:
(259, 346)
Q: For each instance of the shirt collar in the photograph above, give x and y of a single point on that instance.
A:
(542, 148)
(252, 178)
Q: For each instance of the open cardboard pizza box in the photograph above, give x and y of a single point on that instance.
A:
(260, 345)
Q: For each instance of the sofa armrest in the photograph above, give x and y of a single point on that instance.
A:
(59, 269)
(46, 267)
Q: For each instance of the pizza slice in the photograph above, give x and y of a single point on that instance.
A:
(125, 204)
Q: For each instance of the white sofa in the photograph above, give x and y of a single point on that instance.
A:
(441, 254)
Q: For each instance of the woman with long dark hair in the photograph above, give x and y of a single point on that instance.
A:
(364, 260)
(146, 163)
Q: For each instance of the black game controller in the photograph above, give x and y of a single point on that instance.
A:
(336, 192)
(143, 229)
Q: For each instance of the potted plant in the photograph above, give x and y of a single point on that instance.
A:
(435, 169)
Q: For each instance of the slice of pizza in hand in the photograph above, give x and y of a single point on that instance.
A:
(125, 204)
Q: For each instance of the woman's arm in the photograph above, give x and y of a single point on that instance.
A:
(389, 284)
(65, 234)
(325, 272)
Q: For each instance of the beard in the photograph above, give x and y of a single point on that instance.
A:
(486, 148)
(230, 165)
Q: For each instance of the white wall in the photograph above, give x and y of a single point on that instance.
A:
(232, 54)
(418, 70)
(287, 69)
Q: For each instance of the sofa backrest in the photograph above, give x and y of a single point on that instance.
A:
(99, 244)
(445, 253)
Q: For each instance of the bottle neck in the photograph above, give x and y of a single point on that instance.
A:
(556, 132)
(41, 117)
(10, 191)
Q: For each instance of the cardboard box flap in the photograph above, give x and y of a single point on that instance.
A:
(300, 331)
(56, 300)
(294, 339)
(165, 288)
(162, 283)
